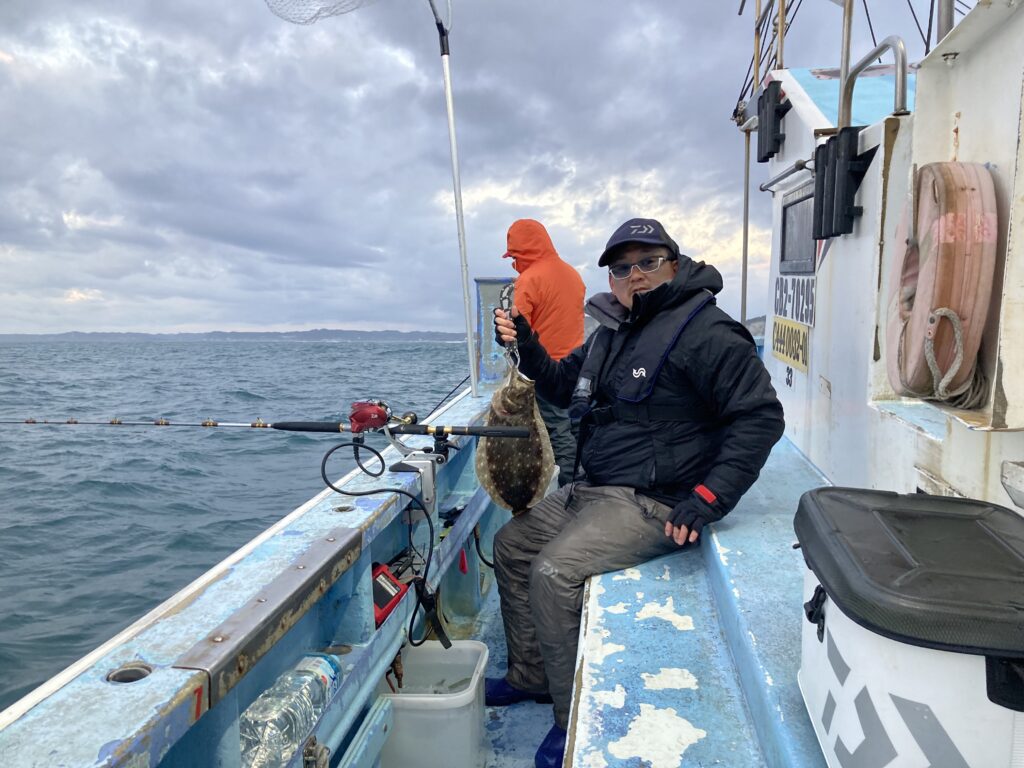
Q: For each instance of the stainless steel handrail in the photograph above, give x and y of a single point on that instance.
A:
(899, 52)
(799, 165)
(844, 52)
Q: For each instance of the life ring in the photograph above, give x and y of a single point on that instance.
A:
(942, 285)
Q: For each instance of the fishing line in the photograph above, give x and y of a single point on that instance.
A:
(450, 393)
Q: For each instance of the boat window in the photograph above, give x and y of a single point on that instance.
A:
(798, 245)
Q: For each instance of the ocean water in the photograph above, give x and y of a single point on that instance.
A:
(99, 524)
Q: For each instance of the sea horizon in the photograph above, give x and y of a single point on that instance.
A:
(313, 334)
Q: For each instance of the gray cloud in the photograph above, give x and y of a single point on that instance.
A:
(202, 166)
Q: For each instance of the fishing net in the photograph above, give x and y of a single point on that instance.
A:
(311, 11)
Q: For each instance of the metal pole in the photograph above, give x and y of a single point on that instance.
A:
(757, 49)
(457, 184)
(945, 20)
(746, 226)
(844, 60)
(761, 16)
(746, 168)
(796, 167)
(781, 21)
(442, 35)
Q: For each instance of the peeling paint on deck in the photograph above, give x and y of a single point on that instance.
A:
(668, 678)
(720, 549)
(667, 612)
(659, 736)
(630, 573)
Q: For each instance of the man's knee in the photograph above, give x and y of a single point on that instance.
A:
(547, 574)
(555, 588)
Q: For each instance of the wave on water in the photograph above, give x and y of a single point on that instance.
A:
(101, 524)
(244, 394)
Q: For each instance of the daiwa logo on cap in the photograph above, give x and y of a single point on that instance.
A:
(638, 372)
(648, 231)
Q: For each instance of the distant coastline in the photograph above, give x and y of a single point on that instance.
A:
(317, 334)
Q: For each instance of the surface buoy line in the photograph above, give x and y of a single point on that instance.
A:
(942, 285)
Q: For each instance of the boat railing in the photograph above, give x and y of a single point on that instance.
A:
(892, 43)
(796, 167)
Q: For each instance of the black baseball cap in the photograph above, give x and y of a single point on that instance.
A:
(647, 231)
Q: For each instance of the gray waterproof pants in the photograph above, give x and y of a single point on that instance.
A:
(543, 557)
(563, 439)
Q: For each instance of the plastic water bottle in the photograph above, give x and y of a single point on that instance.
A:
(279, 721)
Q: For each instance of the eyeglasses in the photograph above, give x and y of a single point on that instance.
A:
(649, 264)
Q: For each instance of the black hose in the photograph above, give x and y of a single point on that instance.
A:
(479, 552)
(356, 446)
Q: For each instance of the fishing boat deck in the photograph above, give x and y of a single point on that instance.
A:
(302, 585)
(691, 659)
(692, 653)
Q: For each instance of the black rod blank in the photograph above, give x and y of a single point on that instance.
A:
(333, 427)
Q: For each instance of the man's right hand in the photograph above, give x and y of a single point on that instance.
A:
(509, 327)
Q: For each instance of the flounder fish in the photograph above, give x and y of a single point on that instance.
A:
(515, 472)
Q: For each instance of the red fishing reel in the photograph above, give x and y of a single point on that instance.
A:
(369, 415)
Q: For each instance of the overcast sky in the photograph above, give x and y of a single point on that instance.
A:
(197, 165)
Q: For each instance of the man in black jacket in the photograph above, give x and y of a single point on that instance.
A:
(677, 417)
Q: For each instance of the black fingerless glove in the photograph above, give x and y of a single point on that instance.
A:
(697, 510)
(523, 332)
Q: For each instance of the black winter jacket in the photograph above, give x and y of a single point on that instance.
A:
(712, 372)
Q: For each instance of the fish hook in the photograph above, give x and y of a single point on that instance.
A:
(505, 302)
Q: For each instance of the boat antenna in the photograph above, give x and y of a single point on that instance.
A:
(311, 11)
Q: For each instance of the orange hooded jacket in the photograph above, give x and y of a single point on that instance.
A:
(549, 293)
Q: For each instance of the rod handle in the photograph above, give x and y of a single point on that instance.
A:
(481, 431)
(311, 426)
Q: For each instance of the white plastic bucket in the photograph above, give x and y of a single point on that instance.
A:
(439, 711)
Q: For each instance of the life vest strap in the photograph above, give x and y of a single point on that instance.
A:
(639, 413)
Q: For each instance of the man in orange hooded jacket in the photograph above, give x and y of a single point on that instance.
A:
(549, 294)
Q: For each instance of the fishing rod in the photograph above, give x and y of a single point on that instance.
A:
(365, 416)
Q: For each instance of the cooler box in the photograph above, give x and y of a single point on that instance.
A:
(439, 711)
(913, 649)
